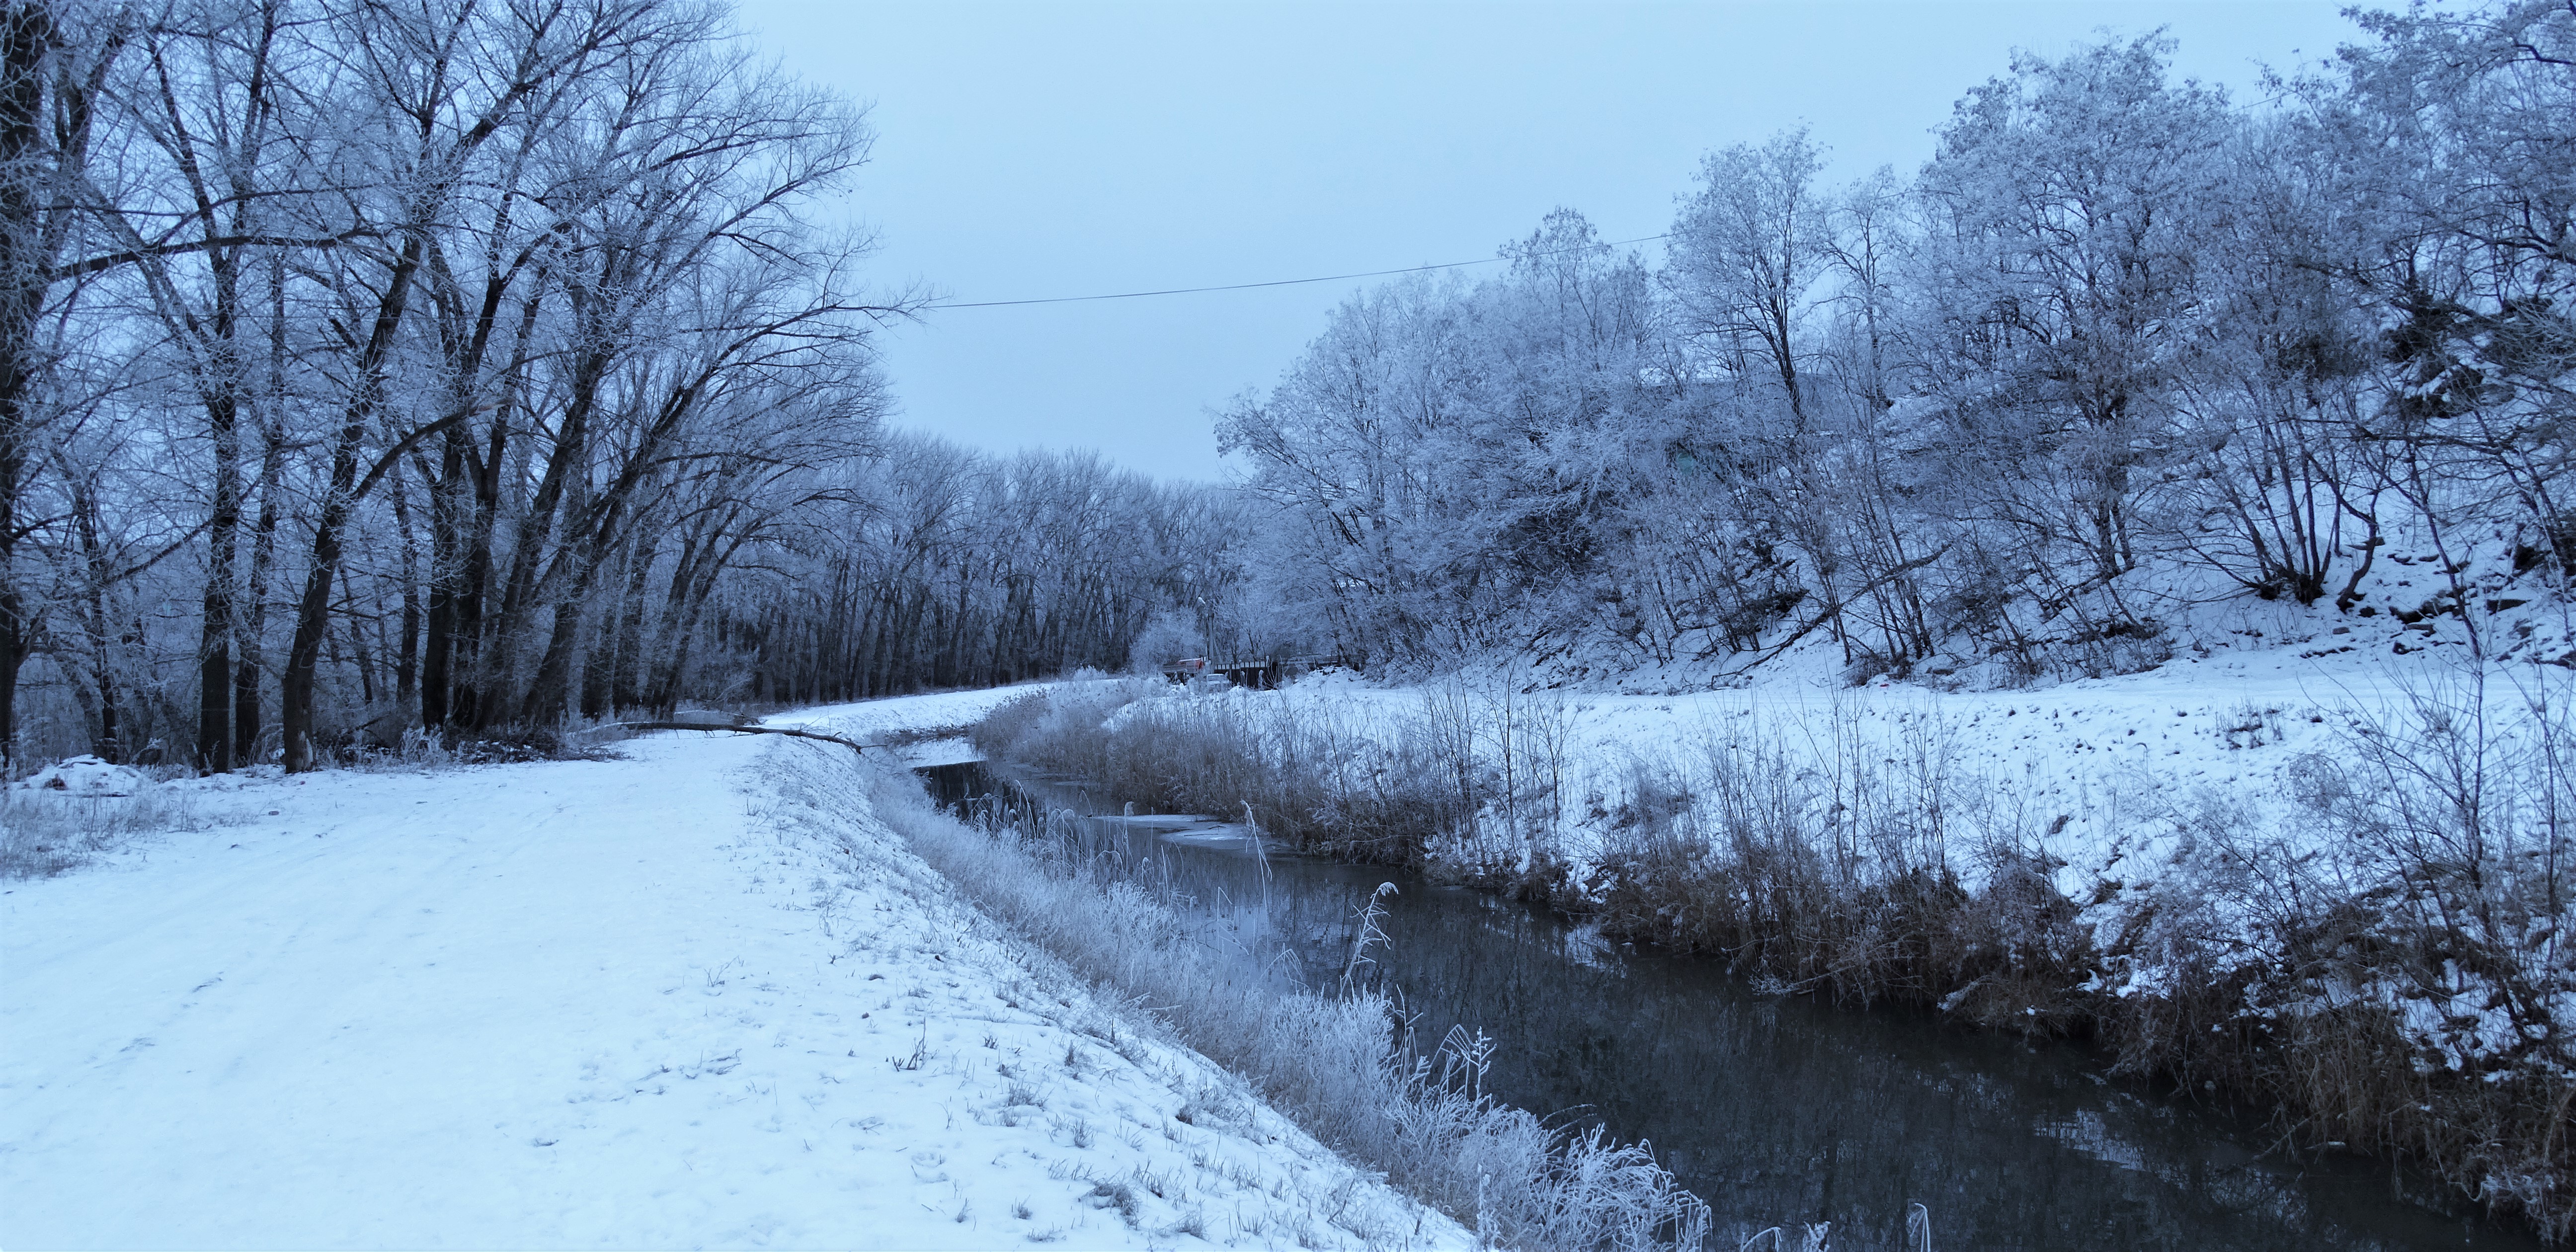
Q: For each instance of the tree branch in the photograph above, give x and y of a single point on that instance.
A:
(111, 260)
(1833, 610)
(754, 730)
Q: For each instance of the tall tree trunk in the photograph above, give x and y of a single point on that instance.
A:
(220, 388)
(407, 649)
(604, 686)
(217, 613)
(550, 691)
(468, 707)
(251, 611)
(107, 740)
(447, 545)
(27, 38)
(629, 662)
(674, 641)
(357, 639)
(339, 500)
(215, 637)
(254, 604)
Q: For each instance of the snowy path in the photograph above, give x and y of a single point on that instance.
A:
(695, 997)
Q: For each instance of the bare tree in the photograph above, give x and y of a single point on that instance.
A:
(1748, 246)
(53, 60)
(2058, 288)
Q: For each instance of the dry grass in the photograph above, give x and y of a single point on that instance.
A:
(1329, 1062)
(2383, 969)
(1307, 775)
(45, 833)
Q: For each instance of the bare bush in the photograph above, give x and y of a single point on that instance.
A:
(2439, 936)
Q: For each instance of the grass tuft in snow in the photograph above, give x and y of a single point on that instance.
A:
(43, 834)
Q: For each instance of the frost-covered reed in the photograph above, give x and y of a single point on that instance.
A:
(1330, 1062)
(1478, 772)
(44, 833)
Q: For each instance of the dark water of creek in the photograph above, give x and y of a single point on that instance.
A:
(1776, 1108)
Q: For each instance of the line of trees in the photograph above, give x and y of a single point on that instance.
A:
(372, 366)
(965, 570)
(2120, 345)
(468, 366)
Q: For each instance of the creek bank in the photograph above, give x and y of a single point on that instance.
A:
(1771, 1103)
(1334, 1057)
(1776, 1106)
(2228, 969)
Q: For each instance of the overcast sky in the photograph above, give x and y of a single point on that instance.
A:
(1040, 150)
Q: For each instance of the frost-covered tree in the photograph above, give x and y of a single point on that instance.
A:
(2058, 291)
(2272, 480)
(2120, 346)
(2457, 133)
(1747, 250)
(1455, 464)
(317, 295)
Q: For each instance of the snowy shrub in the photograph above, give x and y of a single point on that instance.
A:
(86, 776)
(1054, 725)
(2381, 954)
(1479, 780)
(1000, 730)
(2460, 826)
(1171, 636)
(2249, 726)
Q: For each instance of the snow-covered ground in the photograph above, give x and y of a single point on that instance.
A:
(697, 996)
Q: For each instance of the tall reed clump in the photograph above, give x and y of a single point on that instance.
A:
(2392, 964)
(1307, 774)
(1329, 1062)
(1837, 865)
(1479, 776)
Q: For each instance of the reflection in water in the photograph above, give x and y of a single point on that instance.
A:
(1776, 1107)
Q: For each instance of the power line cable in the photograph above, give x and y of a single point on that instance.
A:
(1284, 282)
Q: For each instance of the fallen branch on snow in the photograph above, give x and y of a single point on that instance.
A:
(852, 745)
(1835, 609)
